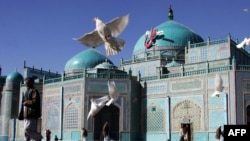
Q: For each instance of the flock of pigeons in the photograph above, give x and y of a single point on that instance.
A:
(106, 33)
(99, 103)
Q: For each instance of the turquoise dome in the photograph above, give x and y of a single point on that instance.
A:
(172, 64)
(174, 34)
(105, 65)
(86, 59)
(14, 76)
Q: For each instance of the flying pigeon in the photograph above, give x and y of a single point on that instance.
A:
(113, 93)
(106, 33)
(218, 86)
(97, 105)
(245, 42)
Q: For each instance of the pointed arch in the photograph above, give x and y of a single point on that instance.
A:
(71, 117)
(186, 110)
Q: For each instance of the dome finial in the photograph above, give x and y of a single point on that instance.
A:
(170, 13)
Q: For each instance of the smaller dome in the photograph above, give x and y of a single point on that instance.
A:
(14, 76)
(86, 59)
(105, 65)
(173, 64)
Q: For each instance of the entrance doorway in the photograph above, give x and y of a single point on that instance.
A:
(110, 114)
(188, 129)
(248, 115)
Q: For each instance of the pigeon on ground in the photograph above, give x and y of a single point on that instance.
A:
(97, 105)
(245, 42)
(218, 86)
(106, 33)
(113, 93)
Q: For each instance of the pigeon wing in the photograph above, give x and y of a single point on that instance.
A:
(248, 42)
(97, 105)
(112, 88)
(101, 101)
(113, 93)
(117, 25)
(242, 44)
(91, 39)
(218, 83)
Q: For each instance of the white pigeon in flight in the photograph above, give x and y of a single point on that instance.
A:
(97, 105)
(245, 42)
(218, 86)
(106, 33)
(113, 93)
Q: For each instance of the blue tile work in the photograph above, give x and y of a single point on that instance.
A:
(200, 136)
(242, 87)
(90, 136)
(52, 119)
(216, 102)
(155, 116)
(156, 137)
(76, 135)
(125, 136)
(175, 136)
(210, 80)
(4, 138)
(216, 118)
(66, 135)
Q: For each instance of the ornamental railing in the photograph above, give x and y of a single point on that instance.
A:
(188, 73)
(86, 75)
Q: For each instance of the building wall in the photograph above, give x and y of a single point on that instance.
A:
(190, 102)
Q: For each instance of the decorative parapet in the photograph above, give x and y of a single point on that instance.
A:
(86, 75)
(188, 73)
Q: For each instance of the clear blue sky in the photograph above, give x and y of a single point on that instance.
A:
(41, 31)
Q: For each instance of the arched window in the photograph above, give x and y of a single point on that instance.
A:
(71, 117)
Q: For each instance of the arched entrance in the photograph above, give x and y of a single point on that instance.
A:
(110, 114)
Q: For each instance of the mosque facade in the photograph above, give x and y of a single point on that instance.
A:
(168, 82)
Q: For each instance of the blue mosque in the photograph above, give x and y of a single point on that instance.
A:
(168, 82)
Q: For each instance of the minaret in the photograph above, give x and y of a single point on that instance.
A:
(10, 106)
(170, 13)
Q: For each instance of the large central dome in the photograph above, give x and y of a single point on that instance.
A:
(173, 34)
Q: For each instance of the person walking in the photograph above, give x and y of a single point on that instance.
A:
(181, 133)
(30, 111)
(184, 135)
(48, 134)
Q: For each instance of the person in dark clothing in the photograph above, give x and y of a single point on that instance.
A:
(105, 131)
(84, 134)
(48, 133)
(30, 111)
(56, 138)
